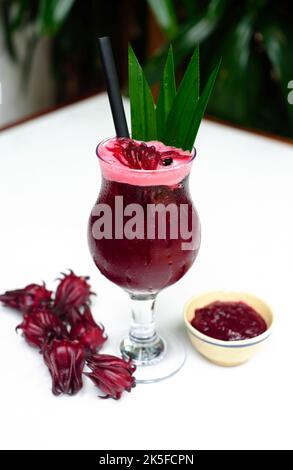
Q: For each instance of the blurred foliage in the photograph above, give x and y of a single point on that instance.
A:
(254, 38)
(43, 17)
(34, 19)
(255, 41)
(73, 26)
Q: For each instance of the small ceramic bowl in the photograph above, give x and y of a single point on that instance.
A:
(227, 353)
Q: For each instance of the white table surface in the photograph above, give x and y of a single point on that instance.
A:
(242, 187)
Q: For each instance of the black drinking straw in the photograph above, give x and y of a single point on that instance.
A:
(113, 88)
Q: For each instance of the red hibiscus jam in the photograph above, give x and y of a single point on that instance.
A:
(228, 321)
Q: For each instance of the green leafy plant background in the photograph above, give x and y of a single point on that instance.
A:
(253, 37)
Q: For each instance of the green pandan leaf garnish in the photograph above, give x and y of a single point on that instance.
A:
(199, 109)
(176, 118)
(143, 115)
(182, 111)
(166, 96)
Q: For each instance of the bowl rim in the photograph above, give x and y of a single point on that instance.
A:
(219, 342)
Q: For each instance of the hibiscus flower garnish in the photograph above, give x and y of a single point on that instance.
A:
(142, 156)
(136, 155)
(112, 375)
(65, 360)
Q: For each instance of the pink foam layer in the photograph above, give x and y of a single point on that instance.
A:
(114, 170)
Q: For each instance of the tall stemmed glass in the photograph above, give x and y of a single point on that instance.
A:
(154, 240)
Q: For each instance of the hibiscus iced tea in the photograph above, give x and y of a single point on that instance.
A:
(144, 231)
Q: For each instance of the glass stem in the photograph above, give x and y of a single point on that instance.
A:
(143, 345)
(142, 326)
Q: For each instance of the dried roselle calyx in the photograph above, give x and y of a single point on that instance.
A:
(111, 374)
(32, 296)
(71, 316)
(40, 326)
(110, 361)
(88, 332)
(65, 360)
(142, 156)
(136, 155)
(72, 293)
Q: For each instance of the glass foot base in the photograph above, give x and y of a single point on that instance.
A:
(143, 353)
(162, 366)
